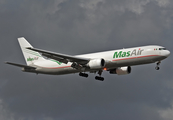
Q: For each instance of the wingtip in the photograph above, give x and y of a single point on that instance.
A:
(6, 62)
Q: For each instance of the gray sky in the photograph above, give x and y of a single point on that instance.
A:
(83, 26)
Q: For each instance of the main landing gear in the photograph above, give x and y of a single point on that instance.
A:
(99, 77)
(83, 74)
(157, 67)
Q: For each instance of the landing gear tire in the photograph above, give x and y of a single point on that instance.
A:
(157, 68)
(83, 75)
(99, 78)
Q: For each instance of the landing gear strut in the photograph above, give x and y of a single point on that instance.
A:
(99, 77)
(157, 67)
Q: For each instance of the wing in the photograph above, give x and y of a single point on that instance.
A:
(20, 65)
(61, 57)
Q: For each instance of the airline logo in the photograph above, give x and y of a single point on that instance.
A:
(32, 59)
(128, 53)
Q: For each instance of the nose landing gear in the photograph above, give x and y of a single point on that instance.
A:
(157, 67)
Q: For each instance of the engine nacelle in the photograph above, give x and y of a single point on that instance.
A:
(96, 63)
(121, 70)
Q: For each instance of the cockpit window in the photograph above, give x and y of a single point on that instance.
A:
(162, 48)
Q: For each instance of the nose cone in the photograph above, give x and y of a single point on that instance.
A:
(167, 53)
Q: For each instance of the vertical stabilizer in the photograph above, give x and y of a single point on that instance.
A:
(29, 55)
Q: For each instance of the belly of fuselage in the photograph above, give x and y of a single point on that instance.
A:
(121, 62)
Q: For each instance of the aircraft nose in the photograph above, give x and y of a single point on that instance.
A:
(167, 53)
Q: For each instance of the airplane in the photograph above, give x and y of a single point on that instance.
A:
(115, 61)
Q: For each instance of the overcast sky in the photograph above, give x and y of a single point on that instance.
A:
(82, 26)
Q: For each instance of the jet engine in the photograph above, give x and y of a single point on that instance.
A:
(121, 70)
(96, 63)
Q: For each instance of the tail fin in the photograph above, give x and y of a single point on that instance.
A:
(29, 55)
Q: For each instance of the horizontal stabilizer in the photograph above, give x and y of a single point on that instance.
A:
(20, 65)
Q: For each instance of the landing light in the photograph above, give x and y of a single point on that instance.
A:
(104, 68)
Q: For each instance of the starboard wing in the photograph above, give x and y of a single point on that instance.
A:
(61, 57)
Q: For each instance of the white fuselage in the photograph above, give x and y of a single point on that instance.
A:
(113, 58)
